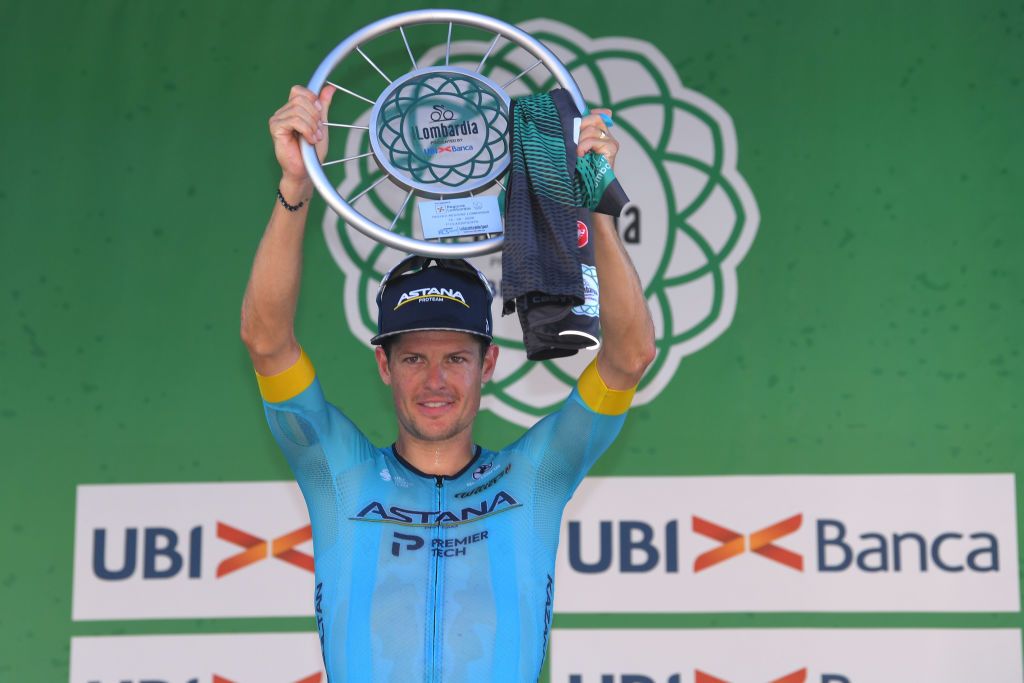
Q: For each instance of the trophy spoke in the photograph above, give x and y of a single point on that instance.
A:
(480, 67)
(349, 92)
(341, 161)
(407, 49)
(499, 184)
(401, 211)
(345, 125)
(448, 45)
(375, 184)
(523, 73)
(371, 63)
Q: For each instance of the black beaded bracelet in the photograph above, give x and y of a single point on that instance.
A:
(285, 204)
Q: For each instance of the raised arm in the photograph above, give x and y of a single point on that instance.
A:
(626, 327)
(268, 309)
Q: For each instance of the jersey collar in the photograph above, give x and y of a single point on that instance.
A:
(450, 477)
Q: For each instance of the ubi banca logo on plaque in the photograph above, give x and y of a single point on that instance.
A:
(691, 220)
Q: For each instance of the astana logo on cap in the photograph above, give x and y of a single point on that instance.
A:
(691, 221)
(431, 294)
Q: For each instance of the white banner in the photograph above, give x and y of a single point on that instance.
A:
(786, 656)
(192, 550)
(253, 658)
(918, 543)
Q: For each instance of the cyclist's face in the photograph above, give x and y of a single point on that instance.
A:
(435, 378)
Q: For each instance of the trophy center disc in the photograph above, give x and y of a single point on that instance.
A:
(442, 130)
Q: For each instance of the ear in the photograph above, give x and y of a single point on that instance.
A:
(490, 362)
(382, 366)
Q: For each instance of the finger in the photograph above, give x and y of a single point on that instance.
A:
(595, 132)
(607, 148)
(288, 115)
(296, 123)
(606, 116)
(593, 139)
(593, 119)
(299, 103)
(306, 107)
(324, 101)
(299, 92)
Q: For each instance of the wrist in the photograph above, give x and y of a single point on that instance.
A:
(296, 190)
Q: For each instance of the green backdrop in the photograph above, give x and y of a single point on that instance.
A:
(879, 324)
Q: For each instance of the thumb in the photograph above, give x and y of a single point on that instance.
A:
(326, 95)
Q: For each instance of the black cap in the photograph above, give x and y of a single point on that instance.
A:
(449, 295)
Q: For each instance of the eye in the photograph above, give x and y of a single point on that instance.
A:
(411, 359)
(457, 359)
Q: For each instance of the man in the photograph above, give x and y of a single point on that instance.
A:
(434, 556)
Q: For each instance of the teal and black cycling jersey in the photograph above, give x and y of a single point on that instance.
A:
(435, 578)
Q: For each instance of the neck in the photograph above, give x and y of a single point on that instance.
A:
(436, 457)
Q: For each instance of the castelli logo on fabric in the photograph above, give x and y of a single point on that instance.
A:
(582, 234)
(431, 294)
(689, 225)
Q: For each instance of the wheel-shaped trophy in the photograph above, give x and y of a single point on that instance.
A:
(440, 133)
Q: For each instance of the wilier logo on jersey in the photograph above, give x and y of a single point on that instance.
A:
(431, 294)
(689, 225)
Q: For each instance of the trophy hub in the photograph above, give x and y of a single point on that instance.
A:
(442, 130)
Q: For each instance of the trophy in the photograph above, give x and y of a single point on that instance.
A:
(441, 133)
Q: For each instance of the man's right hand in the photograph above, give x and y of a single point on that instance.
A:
(303, 116)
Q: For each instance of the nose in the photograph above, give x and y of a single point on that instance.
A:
(435, 376)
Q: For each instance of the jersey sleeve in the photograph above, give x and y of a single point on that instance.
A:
(317, 440)
(566, 444)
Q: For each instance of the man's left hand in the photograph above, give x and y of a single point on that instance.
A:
(595, 137)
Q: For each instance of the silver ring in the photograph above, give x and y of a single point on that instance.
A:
(603, 134)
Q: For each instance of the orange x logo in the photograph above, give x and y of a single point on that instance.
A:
(795, 677)
(315, 678)
(257, 549)
(733, 544)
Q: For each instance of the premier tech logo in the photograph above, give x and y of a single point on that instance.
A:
(192, 550)
(925, 543)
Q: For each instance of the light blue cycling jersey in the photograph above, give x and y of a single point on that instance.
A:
(435, 578)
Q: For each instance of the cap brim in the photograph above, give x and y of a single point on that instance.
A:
(377, 339)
